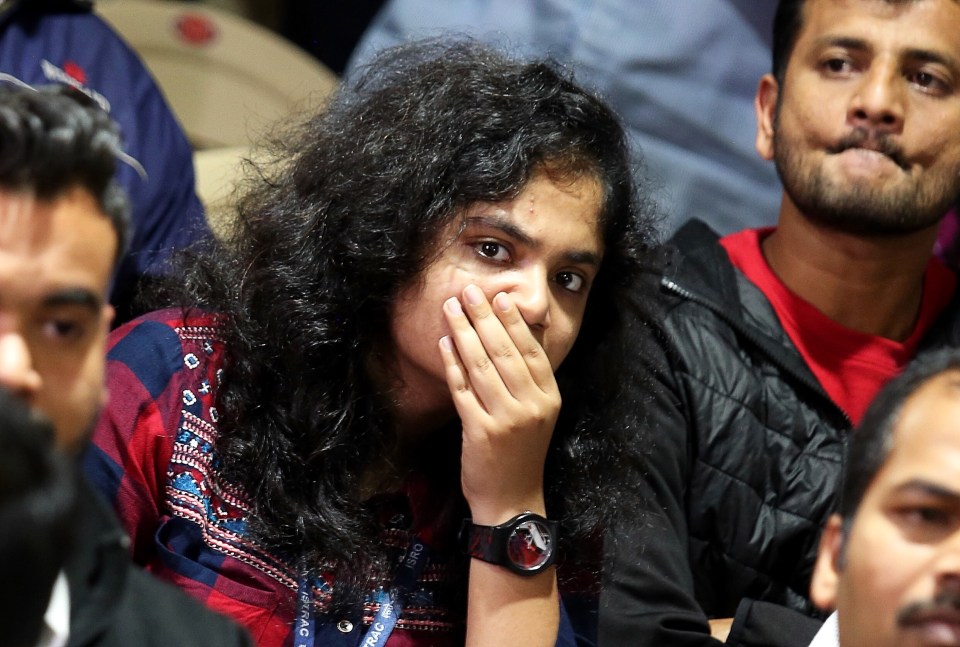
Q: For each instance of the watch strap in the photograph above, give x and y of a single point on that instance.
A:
(493, 544)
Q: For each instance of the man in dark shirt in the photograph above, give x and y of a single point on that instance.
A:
(63, 224)
(774, 340)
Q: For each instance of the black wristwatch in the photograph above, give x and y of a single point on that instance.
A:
(526, 544)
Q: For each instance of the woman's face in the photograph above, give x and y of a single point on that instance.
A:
(543, 249)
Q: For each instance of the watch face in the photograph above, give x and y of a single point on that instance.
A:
(530, 545)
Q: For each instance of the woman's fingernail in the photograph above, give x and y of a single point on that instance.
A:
(473, 295)
(446, 343)
(502, 301)
(453, 306)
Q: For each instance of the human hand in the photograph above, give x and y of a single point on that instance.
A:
(505, 392)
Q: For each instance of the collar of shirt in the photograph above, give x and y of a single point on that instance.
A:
(56, 620)
(827, 636)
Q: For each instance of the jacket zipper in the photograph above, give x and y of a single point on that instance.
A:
(671, 286)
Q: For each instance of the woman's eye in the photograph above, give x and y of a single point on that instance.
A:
(493, 251)
(571, 281)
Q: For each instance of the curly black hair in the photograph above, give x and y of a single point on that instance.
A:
(347, 214)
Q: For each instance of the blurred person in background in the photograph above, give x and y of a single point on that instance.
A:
(64, 42)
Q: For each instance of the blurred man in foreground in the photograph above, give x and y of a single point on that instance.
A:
(63, 223)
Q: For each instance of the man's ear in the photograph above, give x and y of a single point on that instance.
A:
(107, 315)
(826, 571)
(765, 106)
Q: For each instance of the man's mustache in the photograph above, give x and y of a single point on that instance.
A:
(944, 606)
(863, 138)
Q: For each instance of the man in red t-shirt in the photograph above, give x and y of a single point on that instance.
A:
(774, 341)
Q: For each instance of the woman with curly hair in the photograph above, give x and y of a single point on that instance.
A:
(349, 429)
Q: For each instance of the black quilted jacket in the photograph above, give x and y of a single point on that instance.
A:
(744, 458)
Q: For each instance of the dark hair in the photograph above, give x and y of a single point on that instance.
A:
(786, 28)
(37, 497)
(871, 443)
(53, 139)
(787, 24)
(347, 216)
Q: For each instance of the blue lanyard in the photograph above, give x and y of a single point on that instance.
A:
(390, 600)
(305, 622)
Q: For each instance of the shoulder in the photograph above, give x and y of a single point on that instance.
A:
(158, 338)
(70, 46)
(705, 295)
(697, 262)
(163, 354)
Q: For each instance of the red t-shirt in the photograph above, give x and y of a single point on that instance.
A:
(850, 365)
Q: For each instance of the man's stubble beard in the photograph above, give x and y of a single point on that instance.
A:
(862, 208)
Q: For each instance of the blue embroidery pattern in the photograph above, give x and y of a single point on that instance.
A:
(195, 492)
